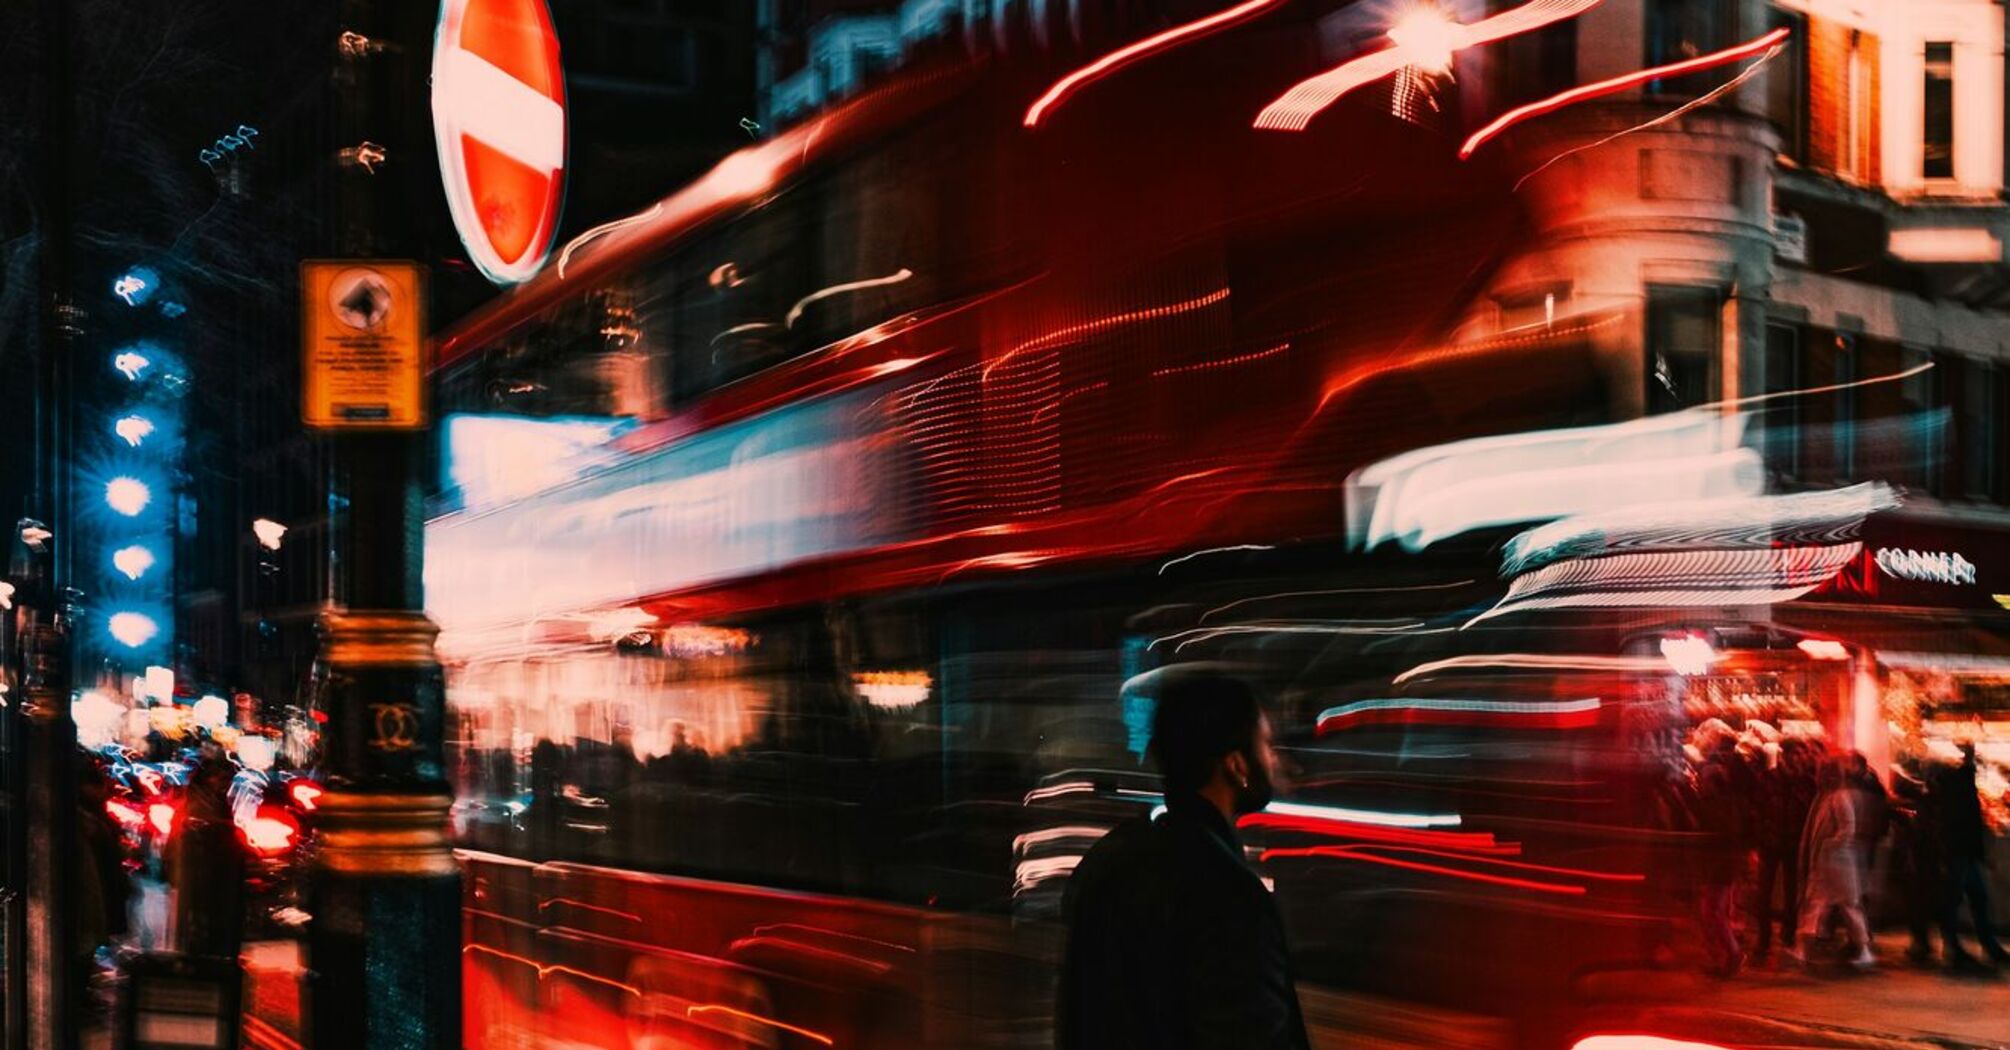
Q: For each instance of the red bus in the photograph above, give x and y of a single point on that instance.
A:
(808, 540)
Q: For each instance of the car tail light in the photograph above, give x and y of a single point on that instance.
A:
(305, 793)
(161, 816)
(270, 833)
(125, 813)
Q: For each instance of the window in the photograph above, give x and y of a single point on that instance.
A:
(1781, 419)
(1937, 130)
(1856, 99)
(1787, 86)
(1981, 417)
(1684, 341)
(1536, 65)
(1682, 29)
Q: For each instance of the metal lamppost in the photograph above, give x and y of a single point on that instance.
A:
(384, 940)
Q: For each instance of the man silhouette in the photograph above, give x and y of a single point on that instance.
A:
(1173, 941)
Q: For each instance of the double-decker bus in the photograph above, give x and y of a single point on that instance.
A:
(808, 542)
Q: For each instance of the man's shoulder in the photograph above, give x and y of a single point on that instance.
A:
(1129, 846)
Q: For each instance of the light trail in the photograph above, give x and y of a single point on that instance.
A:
(1139, 51)
(1294, 110)
(1566, 714)
(1617, 84)
(1356, 853)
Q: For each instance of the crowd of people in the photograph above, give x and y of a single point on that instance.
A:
(198, 857)
(1791, 837)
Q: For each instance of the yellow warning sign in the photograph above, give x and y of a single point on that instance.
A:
(363, 333)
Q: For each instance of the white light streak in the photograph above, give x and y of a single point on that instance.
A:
(1364, 816)
(1216, 550)
(796, 311)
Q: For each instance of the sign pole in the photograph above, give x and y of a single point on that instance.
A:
(384, 939)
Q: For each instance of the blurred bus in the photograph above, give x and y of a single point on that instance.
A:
(807, 543)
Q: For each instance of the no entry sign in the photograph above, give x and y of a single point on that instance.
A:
(499, 122)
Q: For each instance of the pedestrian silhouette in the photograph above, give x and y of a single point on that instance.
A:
(1173, 940)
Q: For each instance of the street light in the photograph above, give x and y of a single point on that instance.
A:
(130, 363)
(211, 712)
(1689, 654)
(133, 429)
(269, 533)
(127, 495)
(132, 629)
(134, 561)
(1426, 38)
(136, 285)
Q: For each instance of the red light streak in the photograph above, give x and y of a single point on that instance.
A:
(124, 814)
(260, 1033)
(1226, 362)
(818, 931)
(584, 906)
(500, 954)
(1061, 335)
(708, 1008)
(1295, 109)
(1620, 83)
(593, 977)
(1639, 1042)
(1150, 45)
(1360, 373)
(785, 944)
(1519, 865)
(543, 970)
(1354, 853)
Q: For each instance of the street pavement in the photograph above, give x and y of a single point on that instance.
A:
(1896, 1007)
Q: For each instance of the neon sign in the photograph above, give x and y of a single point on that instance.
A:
(231, 143)
(1926, 566)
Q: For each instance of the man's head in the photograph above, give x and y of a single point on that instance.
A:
(1210, 738)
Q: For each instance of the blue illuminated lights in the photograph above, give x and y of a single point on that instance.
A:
(129, 496)
(132, 629)
(136, 285)
(133, 429)
(131, 363)
(133, 561)
(231, 143)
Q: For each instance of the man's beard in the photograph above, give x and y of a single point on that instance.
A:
(1255, 794)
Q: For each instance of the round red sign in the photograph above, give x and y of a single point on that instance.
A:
(499, 122)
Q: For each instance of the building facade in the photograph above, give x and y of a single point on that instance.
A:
(1836, 216)
(1835, 221)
